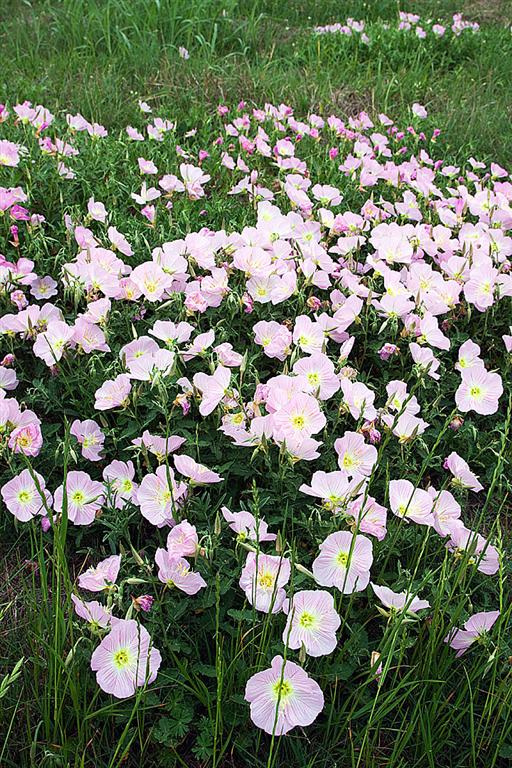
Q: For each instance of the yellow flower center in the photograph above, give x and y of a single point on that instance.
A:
(298, 422)
(121, 658)
(282, 690)
(24, 497)
(476, 392)
(266, 580)
(307, 620)
(78, 497)
(342, 559)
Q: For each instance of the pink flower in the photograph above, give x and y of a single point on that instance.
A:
(96, 210)
(469, 356)
(90, 437)
(475, 628)
(312, 622)
(193, 179)
(120, 474)
(50, 344)
(9, 154)
(355, 457)
(275, 339)
(84, 498)
(399, 601)
(359, 399)
(213, 388)
(317, 373)
(409, 502)
(159, 446)
(198, 473)
(125, 659)
(22, 497)
(182, 540)
(333, 488)
(283, 697)
(446, 512)
(101, 577)
(158, 496)
(369, 516)
(147, 166)
(479, 391)
(151, 280)
(246, 525)
(461, 472)
(481, 553)
(300, 417)
(113, 393)
(344, 562)
(93, 612)
(263, 578)
(175, 572)
(419, 110)
(26, 439)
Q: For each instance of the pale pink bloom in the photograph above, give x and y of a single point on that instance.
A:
(85, 498)
(479, 289)
(175, 572)
(96, 210)
(88, 337)
(159, 446)
(198, 473)
(91, 438)
(469, 356)
(359, 399)
(227, 355)
(102, 576)
(275, 339)
(446, 512)
(246, 525)
(484, 555)
(344, 562)
(355, 457)
(8, 379)
(22, 497)
(26, 439)
(283, 697)
(144, 107)
(193, 179)
(369, 516)
(119, 242)
(419, 110)
(134, 134)
(430, 332)
(308, 335)
(120, 474)
(507, 340)
(399, 399)
(182, 540)
(300, 417)
(461, 472)
(151, 280)
(213, 388)
(97, 312)
(263, 578)
(147, 166)
(410, 503)
(113, 393)
(44, 287)
(312, 622)
(183, 53)
(50, 344)
(146, 195)
(333, 488)
(475, 628)
(125, 659)
(301, 448)
(93, 612)
(399, 601)
(199, 345)
(425, 359)
(158, 496)
(317, 373)
(406, 427)
(172, 333)
(9, 153)
(479, 391)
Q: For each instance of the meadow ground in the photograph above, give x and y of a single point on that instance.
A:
(393, 691)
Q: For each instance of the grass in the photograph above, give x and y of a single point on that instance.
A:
(98, 57)
(94, 56)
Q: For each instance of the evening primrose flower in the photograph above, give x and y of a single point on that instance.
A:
(410, 503)
(102, 576)
(312, 622)
(158, 496)
(198, 473)
(355, 456)
(84, 498)
(283, 697)
(462, 474)
(475, 629)
(246, 526)
(22, 497)
(479, 391)
(175, 572)
(91, 438)
(263, 578)
(399, 601)
(344, 562)
(213, 388)
(125, 659)
(94, 613)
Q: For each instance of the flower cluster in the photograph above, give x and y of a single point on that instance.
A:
(329, 344)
